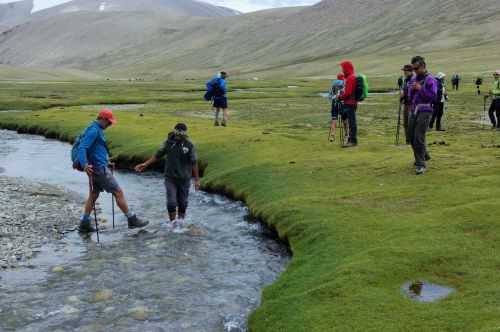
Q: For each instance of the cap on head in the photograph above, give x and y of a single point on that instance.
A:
(418, 61)
(407, 68)
(181, 129)
(107, 114)
(440, 75)
(223, 74)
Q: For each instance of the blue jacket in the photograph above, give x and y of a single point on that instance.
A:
(93, 148)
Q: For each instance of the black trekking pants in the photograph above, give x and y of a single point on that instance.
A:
(495, 110)
(350, 113)
(418, 126)
(437, 115)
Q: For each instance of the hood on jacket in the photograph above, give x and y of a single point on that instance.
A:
(347, 67)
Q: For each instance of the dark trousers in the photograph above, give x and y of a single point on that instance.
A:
(495, 110)
(177, 194)
(406, 120)
(350, 113)
(437, 115)
(418, 126)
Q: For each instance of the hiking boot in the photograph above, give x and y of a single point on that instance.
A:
(224, 124)
(85, 227)
(134, 222)
(349, 145)
(216, 123)
(420, 170)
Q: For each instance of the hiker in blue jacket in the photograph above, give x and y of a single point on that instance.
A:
(219, 91)
(93, 158)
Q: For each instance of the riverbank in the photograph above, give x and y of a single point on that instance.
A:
(33, 214)
(359, 222)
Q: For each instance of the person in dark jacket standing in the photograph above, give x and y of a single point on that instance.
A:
(455, 81)
(93, 158)
(405, 99)
(180, 167)
(348, 97)
(423, 94)
(442, 98)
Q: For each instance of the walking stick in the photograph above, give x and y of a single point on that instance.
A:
(113, 198)
(483, 120)
(91, 185)
(330, 134)
(398, 128)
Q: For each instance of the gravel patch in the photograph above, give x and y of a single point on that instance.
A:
(32, 215)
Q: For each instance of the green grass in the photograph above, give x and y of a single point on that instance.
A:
(359, 222)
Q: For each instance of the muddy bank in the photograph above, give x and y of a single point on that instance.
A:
(32, 215)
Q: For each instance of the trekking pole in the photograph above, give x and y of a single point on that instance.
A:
(398, 128)
(330, 134)
(91, 185)
(113, 197)
(483, 117)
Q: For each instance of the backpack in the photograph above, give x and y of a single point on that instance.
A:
(75, 150)
(74, 154)
(213, 89)
(361, 91)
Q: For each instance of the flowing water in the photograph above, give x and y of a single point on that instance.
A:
(207, 276)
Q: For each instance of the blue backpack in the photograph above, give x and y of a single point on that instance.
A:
(75, 151)
(213, 89)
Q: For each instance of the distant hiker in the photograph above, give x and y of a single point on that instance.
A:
(442, 98)
(348, 97)
(93, 158)
(401, 82)
(335, 91)
(180, 166)
(422, 93)
(455, 81)
(479, 82)
(405, 98)
(494, 94)
(217, 92)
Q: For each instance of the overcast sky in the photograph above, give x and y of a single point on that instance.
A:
(241, 5)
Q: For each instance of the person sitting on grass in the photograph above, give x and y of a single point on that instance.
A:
(336, 89)
(495, 101)
(93, 158)
(180, 166)
(423, 94)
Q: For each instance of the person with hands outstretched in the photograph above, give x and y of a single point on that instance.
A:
(181, 165)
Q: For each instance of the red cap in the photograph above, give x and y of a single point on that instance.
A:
(107, 114)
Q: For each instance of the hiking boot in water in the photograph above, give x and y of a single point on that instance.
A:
(85, 227)
(420, 170)
(134, 222)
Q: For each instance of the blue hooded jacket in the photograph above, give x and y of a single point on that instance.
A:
(93, 150)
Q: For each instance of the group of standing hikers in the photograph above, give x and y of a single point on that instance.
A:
(423, 97)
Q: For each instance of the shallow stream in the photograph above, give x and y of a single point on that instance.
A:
(206, 276)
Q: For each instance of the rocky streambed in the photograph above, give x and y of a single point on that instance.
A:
(32, 215)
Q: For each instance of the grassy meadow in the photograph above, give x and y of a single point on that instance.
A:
(358, 221)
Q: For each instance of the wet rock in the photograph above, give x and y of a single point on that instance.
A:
(73, 299)
(69, 310)
(103, 295)
(139, 313)
(58, 269)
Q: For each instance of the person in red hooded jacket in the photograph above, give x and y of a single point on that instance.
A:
(350, 103)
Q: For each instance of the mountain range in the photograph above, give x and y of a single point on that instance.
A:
(122, 38)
